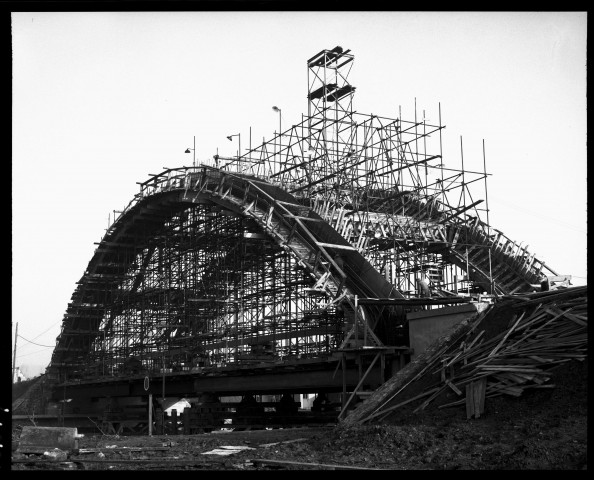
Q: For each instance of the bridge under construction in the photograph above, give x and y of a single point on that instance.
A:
(289, 269)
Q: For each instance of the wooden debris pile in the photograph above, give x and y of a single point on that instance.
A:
(546, 329)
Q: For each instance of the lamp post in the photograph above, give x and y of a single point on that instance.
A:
(193, 150)
(230, 138)
(276, 109)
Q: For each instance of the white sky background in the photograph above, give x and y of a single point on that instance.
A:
(102, 100)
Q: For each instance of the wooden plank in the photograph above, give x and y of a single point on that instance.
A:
(429, 400)
(576, 319)
(122, 449)
(452, 361)
(471, 344)
(499, 368)
(525, 336)
(452, 404)
(506, 335)
(540, 380)
(469, 400)
(453, 387)
(266, 445)
(515, 361)
(517, 377)
(385, 411)
(476, 397)
(319, 466)
(481, 401)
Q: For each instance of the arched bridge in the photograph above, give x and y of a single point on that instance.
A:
(198, 262)
(290, 269)
(218, 282)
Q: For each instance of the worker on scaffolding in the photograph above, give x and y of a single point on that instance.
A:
(423, 288)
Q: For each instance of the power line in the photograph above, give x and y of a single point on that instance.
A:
(32, 353)
(48, 346)
(49, 328)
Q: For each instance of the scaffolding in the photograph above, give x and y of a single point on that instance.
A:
(205, 289)
(194, 285)
(383, 185)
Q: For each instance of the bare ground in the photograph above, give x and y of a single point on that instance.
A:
(541, 430)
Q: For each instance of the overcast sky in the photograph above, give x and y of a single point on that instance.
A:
(102, 100)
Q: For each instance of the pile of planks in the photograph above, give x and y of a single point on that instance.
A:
(546, 330)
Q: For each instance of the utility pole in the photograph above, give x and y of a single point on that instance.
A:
(16, 331)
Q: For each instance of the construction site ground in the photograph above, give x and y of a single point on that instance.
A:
(541, 430)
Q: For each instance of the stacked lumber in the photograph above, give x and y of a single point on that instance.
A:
(546, 330)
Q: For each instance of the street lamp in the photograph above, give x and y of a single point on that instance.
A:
(276, 109)
(193, 149)
(230, 138)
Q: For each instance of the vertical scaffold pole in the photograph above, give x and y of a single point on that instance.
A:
(488, 223)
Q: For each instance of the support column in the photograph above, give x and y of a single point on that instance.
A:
(174, 421)
(150, 414)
